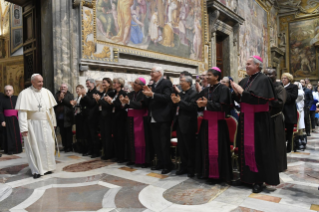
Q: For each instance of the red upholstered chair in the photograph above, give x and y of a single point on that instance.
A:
(232, 129)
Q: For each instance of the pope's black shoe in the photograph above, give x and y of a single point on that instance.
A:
(49, 172)
(35, 176)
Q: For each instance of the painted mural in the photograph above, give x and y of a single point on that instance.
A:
(253, 34)
(231, 4)
(303, 62)
(273, 28)
(171, 27)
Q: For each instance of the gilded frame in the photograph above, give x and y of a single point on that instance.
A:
(151, 54)
(284, 22)
(15, 29)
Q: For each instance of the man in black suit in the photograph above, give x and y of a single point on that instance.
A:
(308, 104)
(91, 115)
(64, 116)
(1, 128)
(186, 124)
(160, 114)
(290, 108)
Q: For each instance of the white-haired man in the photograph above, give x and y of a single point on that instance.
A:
(9, 122)
(37, 122)
(64, 116)
(256, 140)
(160, 114)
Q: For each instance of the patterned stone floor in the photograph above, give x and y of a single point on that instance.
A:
(85, 184)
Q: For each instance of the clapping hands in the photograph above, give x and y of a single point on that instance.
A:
(202, 102)
(124, 100)
(175, 99)
(237, 88)
(108, 99)
(147, 91)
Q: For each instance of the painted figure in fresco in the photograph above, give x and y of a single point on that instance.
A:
(141, 9)
(168, 35)
(189, 26)
(105, 17)
(161, 12)
(197, 38)
(305, 64)
(124, 19)
(136, 31)
(154, 32)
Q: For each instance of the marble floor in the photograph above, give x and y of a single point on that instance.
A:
(85, 184)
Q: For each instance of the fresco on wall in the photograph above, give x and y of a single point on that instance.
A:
(273, 28)
(253, 34)
(303, 62)
(171, 27)
(231, 4)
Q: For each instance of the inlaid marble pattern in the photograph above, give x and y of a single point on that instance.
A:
(82, 184)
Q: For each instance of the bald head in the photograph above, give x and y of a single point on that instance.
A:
(37, 81)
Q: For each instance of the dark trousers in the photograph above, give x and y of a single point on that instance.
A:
(313, 121)
(92, 142)
(66, 134)
(186, 147)
(307, 119)
(161, 138)
(119, 133)
(106, 137)
(289, 134)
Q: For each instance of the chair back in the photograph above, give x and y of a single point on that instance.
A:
(232, 129)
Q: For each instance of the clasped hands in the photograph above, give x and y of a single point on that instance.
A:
(147, 91)
(175, 98)
(97, 97)
(124, 100)
(202, 102)
(108, 99)
(237, 88)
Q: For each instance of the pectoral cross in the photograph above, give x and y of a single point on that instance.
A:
(39, 106)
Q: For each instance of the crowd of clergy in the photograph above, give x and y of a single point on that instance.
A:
(136, 127)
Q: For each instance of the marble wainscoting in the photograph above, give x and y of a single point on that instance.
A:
(85, 184)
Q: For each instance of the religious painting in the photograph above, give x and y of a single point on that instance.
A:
(231, 4)
(253, 34)
(273, 28)
(169, 27)
(2, 48)
(16, 28)
(15, 77)
(303, 59)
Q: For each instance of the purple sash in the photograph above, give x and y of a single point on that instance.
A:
(139, 136)
(212, 117)
(249, 132)
(8, 113)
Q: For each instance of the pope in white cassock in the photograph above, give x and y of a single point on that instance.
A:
(37, 121)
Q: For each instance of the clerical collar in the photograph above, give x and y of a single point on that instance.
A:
(254, 75)
(285, 86)
(34, 89)
(184, 92)
(213, 86)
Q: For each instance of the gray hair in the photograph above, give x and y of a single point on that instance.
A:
(159, 69)
(34, 76)
(256, 61)
(8, 86)
(91, 81)
(120, 80)
(226, 79)
(65, 85)
(188, 79)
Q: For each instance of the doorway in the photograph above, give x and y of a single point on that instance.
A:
(222, 53)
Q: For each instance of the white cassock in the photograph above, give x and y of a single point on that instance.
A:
(36, 115)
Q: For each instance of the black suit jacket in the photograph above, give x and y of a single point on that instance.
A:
(186, 119)
(90, 106)
(106, 107)
(290, 108)
(67, 108)
(308, 98)
(120, 113)
(160, 107)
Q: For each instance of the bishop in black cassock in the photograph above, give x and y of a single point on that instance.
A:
(9, 122)
(140, 148)
(213, 150)
(255, 138)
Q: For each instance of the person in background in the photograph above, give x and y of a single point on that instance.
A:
(308, 103)
(300, 108)
(139, 143)
(275, 108)
(160, 116)
(186, 124)
(119, 119)
(313, 107)
(213, 158)
(307, 81)
(91, 117)
(178, 88)
(64, 116)
(290, 108)
(106, 118)
(226, 81)
(203, 82)
(80, 122)
(9, 122)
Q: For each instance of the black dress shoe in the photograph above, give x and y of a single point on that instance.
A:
(200, 177)
(10, 153)
(130, 163)
(121, 161)
(145, 165)
(157, 167)
(104, 158)
(257, 188)
(49, 172)
(95, 156)
(308, 134)
(35, 176)
(86, 154)
(181, 172)
(166, 171)
(190, 175)
(68, 150)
